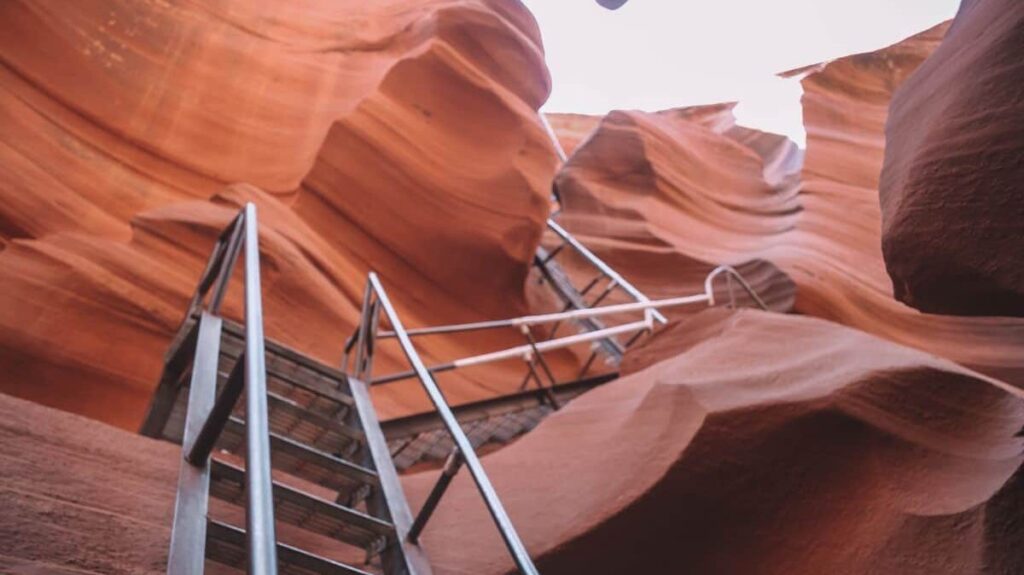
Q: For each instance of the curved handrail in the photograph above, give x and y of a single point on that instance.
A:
(724, 269)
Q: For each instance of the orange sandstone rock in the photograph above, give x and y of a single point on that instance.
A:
(750, 442)
(399, 135)
(663, 197)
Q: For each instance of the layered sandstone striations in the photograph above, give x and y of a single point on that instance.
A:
(835, 253)
(666, 196)
(951, 188)
(816, 449)
(400, 136)
(749, 442)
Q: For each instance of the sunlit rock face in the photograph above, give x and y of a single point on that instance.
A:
(951, 196)
(750, 442)
(399, 136)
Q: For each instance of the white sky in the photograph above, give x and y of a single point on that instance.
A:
(656, 54)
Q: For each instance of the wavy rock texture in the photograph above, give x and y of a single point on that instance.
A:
(951, 186)
(835, 253)
(665, 197)
(748, 442)
(817, 449)
(655, 194)
(399, 135)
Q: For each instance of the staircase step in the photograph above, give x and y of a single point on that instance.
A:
(225, 544)
(227, 482)
(299, 460)
(291, 419)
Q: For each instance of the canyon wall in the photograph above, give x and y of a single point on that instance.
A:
(665, 196)
(950, 190)
(399, 136)
(834, 254)
(753, 442)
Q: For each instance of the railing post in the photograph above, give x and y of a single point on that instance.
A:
(231, 252)
(188, 535)
(259, 517)
(451, 467)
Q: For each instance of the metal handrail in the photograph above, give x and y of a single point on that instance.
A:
(249, 374)
(606, 269)
(649, 307)
(723, 269)
(375, 300)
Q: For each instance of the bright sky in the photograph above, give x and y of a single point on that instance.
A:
(657, 54)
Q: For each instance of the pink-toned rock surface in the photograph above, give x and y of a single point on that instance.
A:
(739, 442)
(951, 196)
(400, 136)
(835, 255)
(663, 197)
(758, 443)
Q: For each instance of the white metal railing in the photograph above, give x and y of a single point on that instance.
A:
(532, 349)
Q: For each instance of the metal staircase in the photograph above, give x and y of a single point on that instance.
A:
(303, 451)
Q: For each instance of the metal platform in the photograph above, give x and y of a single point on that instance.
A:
(489, 424)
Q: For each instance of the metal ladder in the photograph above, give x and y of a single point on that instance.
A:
(304, 448)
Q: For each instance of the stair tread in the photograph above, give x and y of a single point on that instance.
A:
(298, 459)
(304, 510)
(226, 544)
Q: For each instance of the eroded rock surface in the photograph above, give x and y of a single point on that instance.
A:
(750, 442)
(398, 136)
(664, 196)
(951, 196)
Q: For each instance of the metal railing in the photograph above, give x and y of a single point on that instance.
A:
(207, 415)
(533, 349)
(358, 362)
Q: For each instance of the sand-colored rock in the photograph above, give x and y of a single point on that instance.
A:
(954, 162)
(401, 136)
(758, 443)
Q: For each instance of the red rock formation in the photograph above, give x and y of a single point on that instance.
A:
(951, 201)
(834, 255)
(399, 135)
(572, 129)
(740, 442)
(666, 197)
(663, 198)
(758, 443)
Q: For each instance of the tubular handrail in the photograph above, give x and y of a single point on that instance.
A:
(524, 322)
(376, 299)
(724, 269)
(249, 374)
